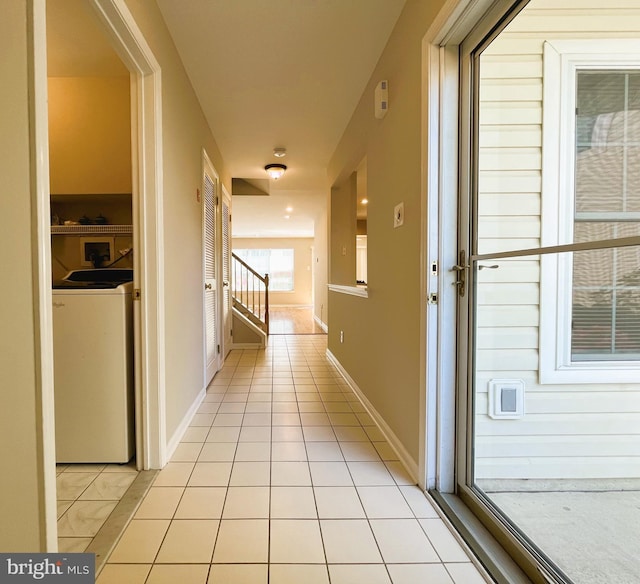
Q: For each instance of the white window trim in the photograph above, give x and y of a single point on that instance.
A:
(562, 58)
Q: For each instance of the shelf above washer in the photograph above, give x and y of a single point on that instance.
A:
(89, 229)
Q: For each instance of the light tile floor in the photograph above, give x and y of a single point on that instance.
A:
(86, 496)
(283, 478)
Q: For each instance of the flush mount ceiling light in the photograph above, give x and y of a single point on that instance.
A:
(279, 152)
(275, 171)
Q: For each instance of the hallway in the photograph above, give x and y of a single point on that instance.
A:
(283, 478)
(293, 320)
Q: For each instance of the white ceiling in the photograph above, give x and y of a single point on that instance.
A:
(275, 73)
(268, 73)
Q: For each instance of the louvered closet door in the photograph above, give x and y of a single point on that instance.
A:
(226, 270)
(210, 286)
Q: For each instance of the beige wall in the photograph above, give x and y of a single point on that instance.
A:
(321, 267)
(185, 133)
(343, 232)
(21, 490)
(89, 135)
(382, 340)
(303, 276)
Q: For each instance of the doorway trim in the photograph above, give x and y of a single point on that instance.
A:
(147, 202)
(41, 271)
(226, 334)
(446, 106)
(441, 138)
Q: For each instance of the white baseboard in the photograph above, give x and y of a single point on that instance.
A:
(321, 324)
(407, 461)
(184, 424)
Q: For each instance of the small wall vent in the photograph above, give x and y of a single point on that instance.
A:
(506, 399)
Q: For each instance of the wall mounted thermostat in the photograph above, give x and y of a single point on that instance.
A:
(506, 399)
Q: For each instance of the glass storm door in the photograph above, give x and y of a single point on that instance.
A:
(549, 287)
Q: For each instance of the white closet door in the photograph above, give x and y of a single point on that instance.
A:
(210, 285)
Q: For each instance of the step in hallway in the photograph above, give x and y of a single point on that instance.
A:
(283, 478)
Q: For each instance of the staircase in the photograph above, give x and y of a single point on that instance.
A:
(250, 293)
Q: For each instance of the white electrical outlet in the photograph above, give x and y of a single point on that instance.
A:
(398, 215)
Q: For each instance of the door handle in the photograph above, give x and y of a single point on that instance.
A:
(208, 286)
(461, 269)
(225, 283)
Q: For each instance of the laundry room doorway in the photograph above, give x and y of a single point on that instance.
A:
(106, 199)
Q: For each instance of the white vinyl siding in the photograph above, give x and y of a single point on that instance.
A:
(568, 430)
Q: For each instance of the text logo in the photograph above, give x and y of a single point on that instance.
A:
(47, 568)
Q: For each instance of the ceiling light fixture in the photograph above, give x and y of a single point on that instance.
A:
(289, 209)
(275, 171)
(279, 152)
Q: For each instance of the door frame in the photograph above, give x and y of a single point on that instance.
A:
(448, 119)
(132, 48)
(443, 85)
(148, 236)
(41, 266)
(225, 285)
(443, 134)
(448, 108)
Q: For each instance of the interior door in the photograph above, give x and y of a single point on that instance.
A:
(226, 274)
(210, 291)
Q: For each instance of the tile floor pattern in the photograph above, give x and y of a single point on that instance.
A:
(283, 478)
(86, 496)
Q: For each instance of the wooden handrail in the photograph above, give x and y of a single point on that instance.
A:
(244, 292)
(264, 278)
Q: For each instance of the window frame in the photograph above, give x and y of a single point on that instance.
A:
(562, 60)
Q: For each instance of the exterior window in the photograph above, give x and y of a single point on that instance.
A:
(606, 283)
(278, 263)
(590, 299)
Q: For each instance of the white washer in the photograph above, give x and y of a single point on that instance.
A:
(93, 375)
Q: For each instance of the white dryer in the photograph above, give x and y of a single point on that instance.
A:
(93, 371)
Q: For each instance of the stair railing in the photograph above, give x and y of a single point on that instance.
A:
(250, 292)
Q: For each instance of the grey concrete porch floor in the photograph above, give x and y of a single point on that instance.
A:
(590, 529)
